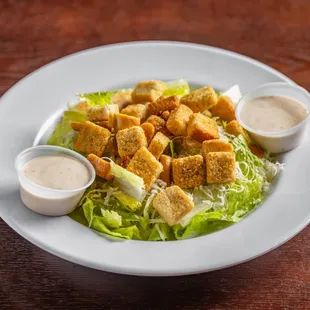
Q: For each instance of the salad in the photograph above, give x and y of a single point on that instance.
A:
(172, 163)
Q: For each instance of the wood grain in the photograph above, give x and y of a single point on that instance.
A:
(33, 33)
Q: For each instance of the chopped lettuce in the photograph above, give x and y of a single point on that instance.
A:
(98, 98)
(63, 135)
(127, 201)
(177, 88)
(128, 182)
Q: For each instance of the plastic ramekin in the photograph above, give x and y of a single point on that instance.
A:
(44, 200)
(280, 141)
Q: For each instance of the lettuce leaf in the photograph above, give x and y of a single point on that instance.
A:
(177, 88)
(98, 98)
(63, 135)
(128, 182)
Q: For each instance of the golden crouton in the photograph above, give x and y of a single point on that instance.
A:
(221, 167)
(82, 106)
(101, 113)
(164, 104)
(207, 113)
(202, 128)
(200, 99)
(178, 120)
(188, 171)
(145, 165)
(158, 144)
(123, 121)
(92, 139)
(102, 167)
(122, 98)
(235, 129)
(224, 109)
(172, 204)
(130, 140)
(190, 147)
(215, 145)
(148, 91)
(149, 131)
(77, 126)
(256, 150)
(165, 115)
(138, 110)
(157, 122)
(166, 173)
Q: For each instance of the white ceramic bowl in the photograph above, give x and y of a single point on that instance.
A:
(280, 141)
(48, 201)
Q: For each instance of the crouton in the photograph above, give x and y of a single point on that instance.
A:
(77, 126)
(130, 140)
(164, 104)
(178, 120)
(207, 113)
(224, 109)
(105, 124)
(123, 121)
(145, 165)
(158, 144)
(166, 173)
(138, 110)
(172, 204)
(235, 129)
(82, 106)
(188, 171)
(200, 99)
(202, 128)
(190, 147)
(101, 113)
(123, 161)
(256, 150)
(148, 91)
(102, 167)
(220, 167)
(165, 115)
(157, 122)
(92, 139)
(215, 145)
(149, 131)
(122, 98)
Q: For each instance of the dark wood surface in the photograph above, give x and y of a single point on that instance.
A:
(33, 33)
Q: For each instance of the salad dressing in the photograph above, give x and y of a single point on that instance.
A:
(56, 172)
(273, 113)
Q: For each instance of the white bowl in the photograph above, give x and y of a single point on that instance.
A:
(280, 141)
(48, 201)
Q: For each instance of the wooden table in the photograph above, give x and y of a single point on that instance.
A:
(33, 33)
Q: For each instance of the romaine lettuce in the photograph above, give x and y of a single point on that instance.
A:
(63, 135)
(98, 98)
(177, 88)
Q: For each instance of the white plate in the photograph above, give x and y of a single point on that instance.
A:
(25, 107)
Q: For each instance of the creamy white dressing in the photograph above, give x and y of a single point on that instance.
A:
(273, 113)
(56, 172)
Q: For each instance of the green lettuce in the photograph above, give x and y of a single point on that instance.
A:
(98, 98)
(177, 88)
(63, 135)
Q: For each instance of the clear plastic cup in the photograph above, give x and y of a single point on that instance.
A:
(280, 141)
(44, 200)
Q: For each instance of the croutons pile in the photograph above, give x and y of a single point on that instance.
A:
(137, 128)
